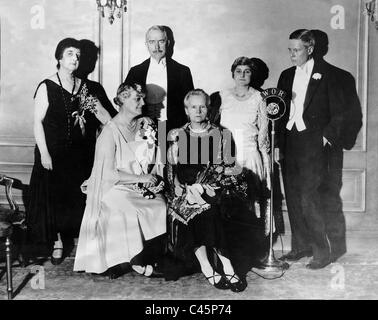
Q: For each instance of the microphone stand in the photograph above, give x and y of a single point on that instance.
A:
(270, 263)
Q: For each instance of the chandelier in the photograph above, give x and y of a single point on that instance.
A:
(113, 7)
(371, 10)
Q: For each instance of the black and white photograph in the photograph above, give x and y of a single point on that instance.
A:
(188, 153)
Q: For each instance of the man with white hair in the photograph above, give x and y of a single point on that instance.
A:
(172, 79)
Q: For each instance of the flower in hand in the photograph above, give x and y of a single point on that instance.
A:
(87, 101)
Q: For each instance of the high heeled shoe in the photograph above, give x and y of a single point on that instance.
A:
(222, 284)
(57, 258)
(149, 271)
(118, 270)
(237, 286)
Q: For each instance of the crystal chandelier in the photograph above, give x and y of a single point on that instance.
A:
(372, 11)
(113, 7)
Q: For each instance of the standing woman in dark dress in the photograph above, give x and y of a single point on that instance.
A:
(66, 118)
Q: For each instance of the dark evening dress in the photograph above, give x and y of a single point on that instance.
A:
(56, 203)
(200, 227)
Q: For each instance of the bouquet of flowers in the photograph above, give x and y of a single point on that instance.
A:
(148, 132)
(184, 207)
(87, 102)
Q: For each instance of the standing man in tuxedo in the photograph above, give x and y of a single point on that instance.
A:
(324, 116)
(166, 82)
(169, 76)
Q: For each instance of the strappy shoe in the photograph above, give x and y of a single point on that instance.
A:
(57, 256)
(237, 286)
(222, 284)
(149, 271)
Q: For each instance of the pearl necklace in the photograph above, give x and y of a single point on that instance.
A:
(67, 106)
(238, 95)
(200, 130)
(131, 126)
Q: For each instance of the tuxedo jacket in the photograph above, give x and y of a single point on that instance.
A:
(180, 82)
(331, 104)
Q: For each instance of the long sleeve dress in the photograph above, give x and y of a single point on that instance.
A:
(194, 216)
(248, 124)
(117, 218)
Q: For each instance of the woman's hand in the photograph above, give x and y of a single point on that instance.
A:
(179, 189)
(267, 168)
(46, 161)
(254, 163)
(149, 180)
(102, 114)
(210, 191)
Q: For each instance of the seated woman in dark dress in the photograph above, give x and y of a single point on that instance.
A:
(195, 170)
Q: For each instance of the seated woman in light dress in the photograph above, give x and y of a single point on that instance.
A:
(124, 210)
(242, 111)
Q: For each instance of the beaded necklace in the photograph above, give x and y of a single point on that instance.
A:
(67, 106)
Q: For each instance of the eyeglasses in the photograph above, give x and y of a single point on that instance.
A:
(154, 42)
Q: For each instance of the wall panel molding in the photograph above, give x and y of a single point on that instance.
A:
(353, 192)
(362, 61)
(10, 141)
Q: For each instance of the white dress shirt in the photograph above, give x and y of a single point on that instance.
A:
(157, 74)
(300, 84)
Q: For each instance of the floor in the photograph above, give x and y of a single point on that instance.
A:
(354, 276)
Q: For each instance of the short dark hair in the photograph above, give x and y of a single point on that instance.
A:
(307, 37)
(241, 61)
(260, 75)
(64, 44)
(256, 71)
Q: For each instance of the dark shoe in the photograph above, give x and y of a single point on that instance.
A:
(237, 286)
(315, 264)
(156, 273)
(58, 259)
(116, 272)
(222, 284)
(296, 255)
(336, 255)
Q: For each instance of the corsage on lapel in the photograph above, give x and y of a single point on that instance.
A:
(316, 76)
(148, 132)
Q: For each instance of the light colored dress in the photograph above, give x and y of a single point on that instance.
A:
(117, 219)
(248, 123)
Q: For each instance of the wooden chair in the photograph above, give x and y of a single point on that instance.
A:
(9, 219)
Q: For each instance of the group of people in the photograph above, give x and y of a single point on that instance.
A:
(178, 181)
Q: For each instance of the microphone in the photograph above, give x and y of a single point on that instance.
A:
(275, 109)
(275, 103)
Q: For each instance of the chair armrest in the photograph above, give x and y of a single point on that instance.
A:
(8, 182)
